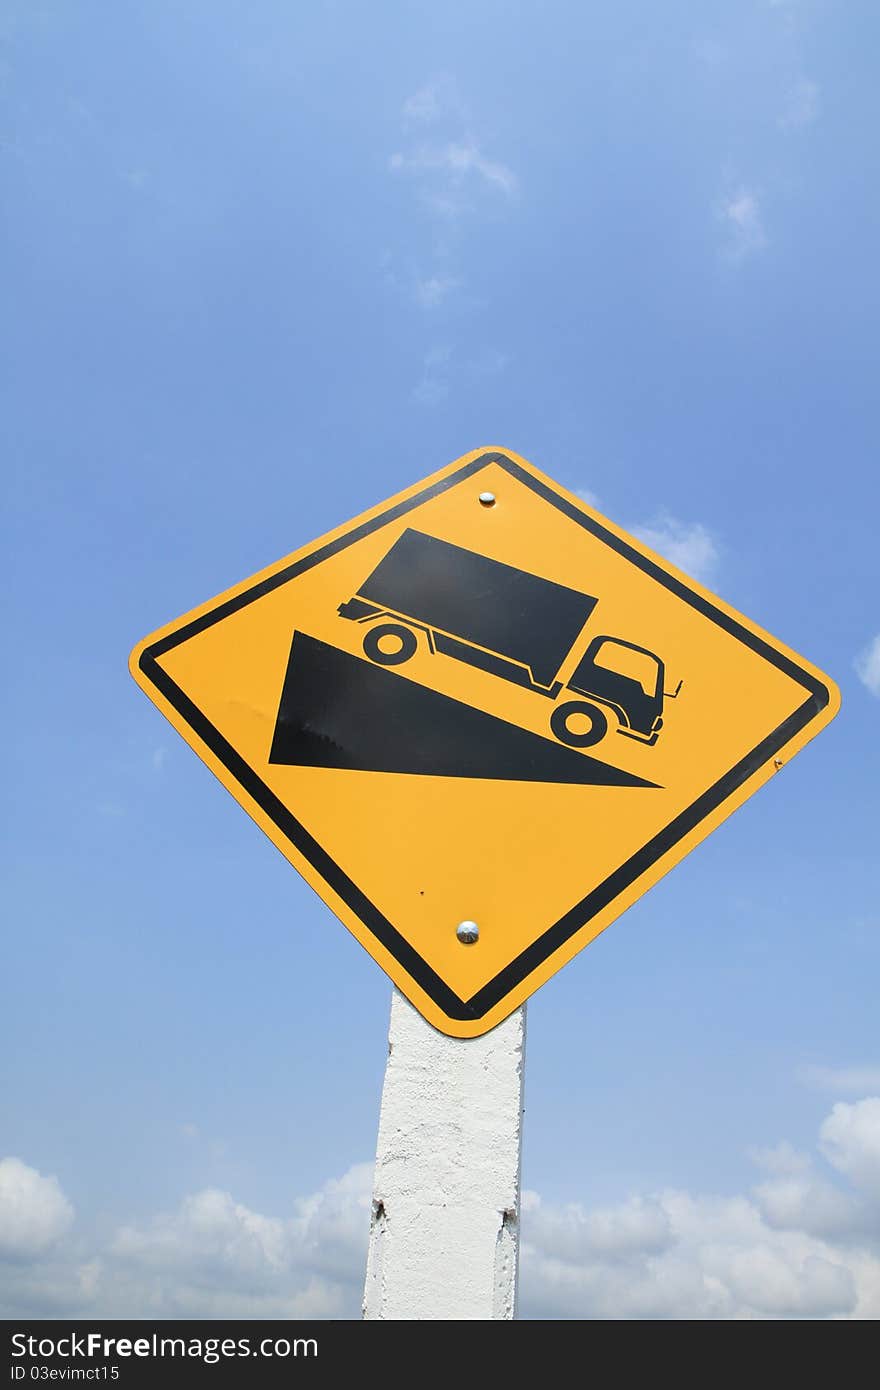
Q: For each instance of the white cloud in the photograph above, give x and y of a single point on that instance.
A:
(720, 1261)
(802, 105)
(798, 1246)
(210, 1257)
(637, 1226)
(34, 1212)
(214, 1252)
(769, 1281)
(803, 1243)
(211, 1231)
(805, 1201)
(689, 545)
(740, 214)
(842, 1080)
(850, 1139)
(868, 666)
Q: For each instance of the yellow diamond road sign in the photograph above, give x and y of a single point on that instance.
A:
(481, 720)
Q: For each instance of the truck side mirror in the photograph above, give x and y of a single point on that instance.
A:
(673, 694)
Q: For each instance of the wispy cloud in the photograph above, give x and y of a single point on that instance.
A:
(842, 1081)
(442, 368)
(454, 178)
(423, 105)
(433, 384)
(868, 666)
(740, 215)
(802, 105)
(452, 175)
(687, 544)
(783, 1159)
(454, 162)
(488, 362)
(437, 99)
(589, 497)
(434, 289)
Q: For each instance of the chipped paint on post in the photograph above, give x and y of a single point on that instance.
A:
(444, 1238)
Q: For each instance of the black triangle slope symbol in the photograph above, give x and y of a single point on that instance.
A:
(341, 711)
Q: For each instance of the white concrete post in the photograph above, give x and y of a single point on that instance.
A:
(444, 1240)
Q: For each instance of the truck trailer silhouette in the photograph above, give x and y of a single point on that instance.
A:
(514, 625)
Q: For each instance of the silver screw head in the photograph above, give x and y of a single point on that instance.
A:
(487, 499)
(467, 933)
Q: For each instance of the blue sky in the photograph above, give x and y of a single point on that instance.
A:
(265, 265)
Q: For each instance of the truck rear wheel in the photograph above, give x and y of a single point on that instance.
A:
(578, 724)
(389, 644)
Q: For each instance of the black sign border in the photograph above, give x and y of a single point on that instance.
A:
(554, 937)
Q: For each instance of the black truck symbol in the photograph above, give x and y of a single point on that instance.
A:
(514, 625)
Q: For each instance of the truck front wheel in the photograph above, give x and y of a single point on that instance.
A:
(389, 644)
(578, 724)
